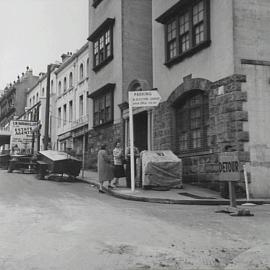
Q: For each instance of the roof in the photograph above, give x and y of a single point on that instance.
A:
(67, 62)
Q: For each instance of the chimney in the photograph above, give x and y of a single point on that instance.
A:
(29, 72)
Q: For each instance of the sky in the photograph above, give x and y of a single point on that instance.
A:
(35, 33)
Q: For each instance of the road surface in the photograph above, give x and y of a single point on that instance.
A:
(67, 226)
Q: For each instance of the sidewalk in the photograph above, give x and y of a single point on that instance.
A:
(190, 194)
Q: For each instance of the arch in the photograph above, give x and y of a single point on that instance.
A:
(87, 67)
(188, 85)
(81, 71)
(139, 83)
(65, 84)
(59, 88)
(70, 79)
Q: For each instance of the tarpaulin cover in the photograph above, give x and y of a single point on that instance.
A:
(161, 169)
(60, 162)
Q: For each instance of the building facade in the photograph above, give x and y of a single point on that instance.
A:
(71, 112)
(210, 67)
(120, 61)
(35, 109)
(12, 104)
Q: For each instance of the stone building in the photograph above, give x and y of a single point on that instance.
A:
(71, 114)
(211, 67)
(120, 61)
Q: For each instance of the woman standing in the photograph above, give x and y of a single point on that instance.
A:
(118, 158)
(105, 172)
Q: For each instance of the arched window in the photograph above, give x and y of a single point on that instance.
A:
(192, 115)
(59, 88)
(37, 97)
(87, 67)
(43, 92)
(81, 72)
(51, 90)
(65, 84)
(70, 79)
(30, 102)
(34, 102)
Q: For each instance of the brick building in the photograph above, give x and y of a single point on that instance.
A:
(210, 64)
(120, 61)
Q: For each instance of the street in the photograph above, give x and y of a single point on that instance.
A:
(67, 226)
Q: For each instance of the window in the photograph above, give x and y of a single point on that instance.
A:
(103, 104)
(81, 72)
(59, 88)
(59, 118)
(34, 101)
(43, 91)
(81, 105)
(102, 40)
(51, 86)
(37, 97)
(103, 109)
(70, 80)
(65, 84)
(30, 102)
(187, 29)
(96, 3)
(65, 114)
(87, 67)
(192, 123)
(71, 111)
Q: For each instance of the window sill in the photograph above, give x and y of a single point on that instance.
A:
(104, 63)
(188, 53)
(103, 125)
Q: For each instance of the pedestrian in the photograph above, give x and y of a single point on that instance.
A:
(128, 163)
(105, 170)
(118, 160)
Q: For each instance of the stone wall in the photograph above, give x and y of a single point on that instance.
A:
(107, 134)
(226, 121)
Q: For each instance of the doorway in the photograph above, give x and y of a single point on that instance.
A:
(140, 130)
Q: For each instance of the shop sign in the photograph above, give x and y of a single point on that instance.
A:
(229, 166)
(64, 136)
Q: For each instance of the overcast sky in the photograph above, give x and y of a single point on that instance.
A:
(36, 32)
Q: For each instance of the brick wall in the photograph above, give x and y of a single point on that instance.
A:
(226, 120)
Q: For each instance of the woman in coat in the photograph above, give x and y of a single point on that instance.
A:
(105, 170)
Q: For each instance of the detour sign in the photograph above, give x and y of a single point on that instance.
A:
(229, 166)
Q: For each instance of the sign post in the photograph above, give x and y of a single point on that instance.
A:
(229, 171)
(148, 98)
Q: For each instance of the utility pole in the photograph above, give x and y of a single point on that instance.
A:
(47, 109)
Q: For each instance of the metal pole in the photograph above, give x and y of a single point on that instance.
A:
(47, 109)
(232, 194)
(131, 140)
(83, 157)
(246, 182)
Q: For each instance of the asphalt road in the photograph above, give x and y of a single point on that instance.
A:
(67, 226)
